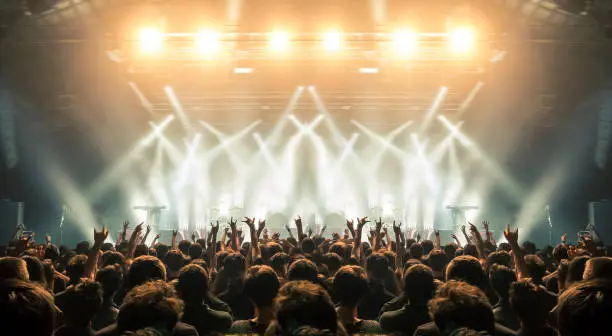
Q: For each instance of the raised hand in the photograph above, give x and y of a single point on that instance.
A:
(262, 224)
(511, 235)
(309, 232)
(454, 236)
(148, 228)
(226, 230)
(100, 236)
(485, 225)
(437, 233)
(463, 228)
(298, 221)
(47, 238)
(157, 236)
(125, 225)
(275, 236)
(174, 233)
(397, 229)
(233, 224)
(378, 223)
(138, 228)
(564, 238)
(336, 236)
(350, 224)
(250, 222)
(418, 237)
(214, 229)
(362, 222)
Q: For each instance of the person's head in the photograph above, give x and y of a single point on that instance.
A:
(595, 268)
(584, 309)
(52, 253)
(270, 249)
(528, 302)
(504, 247)
(202, 263)
(529, 247)
(192, 284)
(349, 286)
(183, 246)
(470, 250)
(377, 265)
(575, 270)
(303, 269)
(338, 248)
(195, 251)
(143, 269)
(26, 309)
(450, 250)
(81, 303)
(333, 262)
(111, 279)
(113, 257)
(304, 304)
(419, 285)
(175, 259)
(427, 245)
(13, 268)
(261, 286)
(36, 270)
(82, 248)
(458, 304)
(536, 269)
(75, 269)
(499, 258)
(279, 263)
(140, 250)
(437, 260)
(107, 247)
(152, 304)
(162, 250)
(308, 245)
(501, 278)
(468, 269)
(415, 251)
(559, 253)
(234, 264)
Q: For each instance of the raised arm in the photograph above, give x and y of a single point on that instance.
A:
(154, 240)
(488, 235)
(144, 239)
(133, 240)
(357, 241)
(94, 252)
(478, 241)
(300, 229)
(376, 238)
(255, 251)
(174, 236)
(465, 235)
(397, 230)
(351, 229)
(437, 242)
(517, 253)
(234, 235)
(124, 232)
(212, 251)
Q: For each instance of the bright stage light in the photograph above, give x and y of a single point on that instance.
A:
(332, 40)
(462, 40)
(151, 39)
(243, 70)
(405, 41)
(279, 40)
(368, 70)
(207, 41)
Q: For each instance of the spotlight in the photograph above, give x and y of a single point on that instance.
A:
(368, 70)
(243, 70)
(151, 39)
(462, 40)
(405, 41)
(207, 41)
(279, 40)
(332, 41)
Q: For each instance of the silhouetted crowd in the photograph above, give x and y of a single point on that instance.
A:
(393, 283)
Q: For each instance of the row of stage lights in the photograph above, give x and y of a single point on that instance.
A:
(460, 40)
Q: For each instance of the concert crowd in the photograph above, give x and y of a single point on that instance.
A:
(394, 283)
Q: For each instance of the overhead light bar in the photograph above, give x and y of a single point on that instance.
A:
(243, 70)
(368, 70)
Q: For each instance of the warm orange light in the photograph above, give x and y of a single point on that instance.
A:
(279, 40)
(207, 41)
(462, 40)
(151, 39)
(405, 41)
(332, 40)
